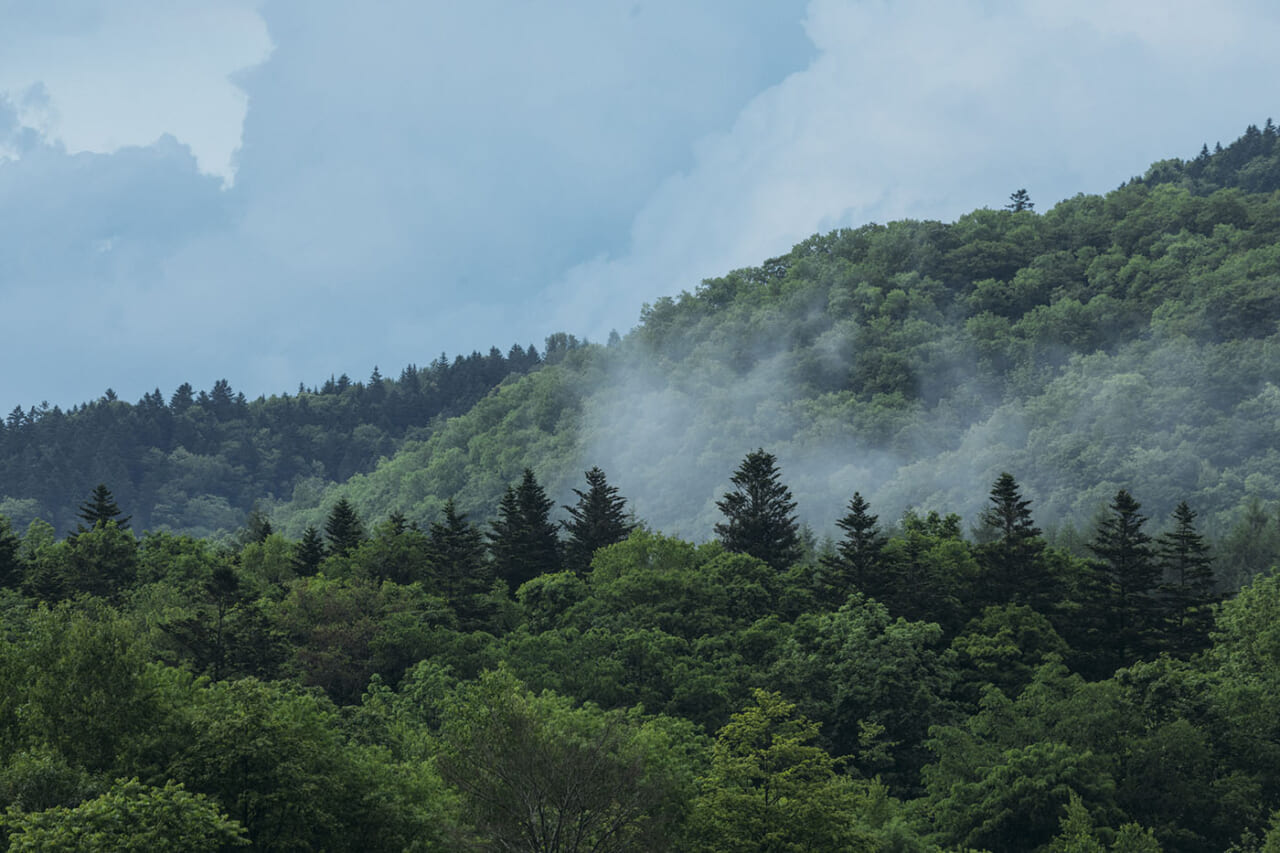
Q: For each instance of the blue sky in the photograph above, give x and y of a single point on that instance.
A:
(274, 192)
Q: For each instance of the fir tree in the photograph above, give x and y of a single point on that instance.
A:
(1127, 575)
(343, 528)
(1020, 200)
(1188, 595)
(102, 508)
(857, 561)
(1013, 561)
(598, 519)
(308, 552)
(457, 552)
(523, 539)
(760, 513)
(10, 562)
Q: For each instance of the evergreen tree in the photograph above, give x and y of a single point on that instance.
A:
(10, 562)
(1020, 200)
(760, 513)
(343, 528)
(308, 553)
(257, 527)
(1127, 577)
(1013, 561)
(598, 519)
(523, 539)
(857, 561)
(457, 548)
(101, 508)
(1188, 595)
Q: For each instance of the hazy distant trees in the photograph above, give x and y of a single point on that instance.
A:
(760, 514)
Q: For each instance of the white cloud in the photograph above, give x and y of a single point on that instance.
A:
(125, 73)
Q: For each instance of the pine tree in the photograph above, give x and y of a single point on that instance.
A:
(599, 519)
(1188, 595)
(857, 561)
(1013, 561)
(10, 562)
(308, 553)
(760, 513)
(1127, 578)
(102, 508)
(522, 540)
(343, 528)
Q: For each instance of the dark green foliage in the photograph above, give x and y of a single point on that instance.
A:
(760, 517)
(1014, 570)
(1020, 200)
(343, 529)
(308, 553)
(1187, 593)
(458, 556)
(858, 562)
(1127, 578)
(10, 564)
(102, 508)
(598, 519)
(522, 539)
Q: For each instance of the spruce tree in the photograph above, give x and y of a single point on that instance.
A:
(759, 514)
(343, 528)
(102, 508)
(1127, 577)
(463, 576)
(1013, 561)
(522, 540)
(308, 553)
(1188, 595)
(857, 561)
(10, 563)
(598, 519)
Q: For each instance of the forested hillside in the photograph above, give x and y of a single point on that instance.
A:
(1126, 340)
(469, 645)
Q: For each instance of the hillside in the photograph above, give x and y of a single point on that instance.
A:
(1124, 340)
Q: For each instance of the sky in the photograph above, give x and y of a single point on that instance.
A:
(276, 192)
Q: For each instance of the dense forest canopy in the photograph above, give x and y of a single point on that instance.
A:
(456, 643)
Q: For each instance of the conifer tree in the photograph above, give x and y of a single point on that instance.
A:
(457, 552)
(759, 514)
(343, 528)
(1127, 575)
(857, 561)
(102, 508)
(598, 519)
(308, 553)
(522, 540)
(10, 562)
(1188, 595)
(1013, 561)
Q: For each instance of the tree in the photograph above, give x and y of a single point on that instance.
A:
(130, 816)
(760, 513)
(1020, 200)
(308, 553)
(856, 563)
(343, 528)
(522, 539)
(101, 508)
(597, 520)
(457, 554)
(1127, 575)
(1013, 564)
(537, 773)
(772, 789)
(1187, 590)
(10, 562)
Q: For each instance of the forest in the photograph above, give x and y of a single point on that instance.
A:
(925, 536)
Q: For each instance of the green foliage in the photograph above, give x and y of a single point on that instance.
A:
(597, 520)
(130, 816)
(759, 513)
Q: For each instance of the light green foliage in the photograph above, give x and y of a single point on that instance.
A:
(771, 788)
(129, 817)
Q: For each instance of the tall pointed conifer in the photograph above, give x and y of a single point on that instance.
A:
(598, 519)
(760, 517)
